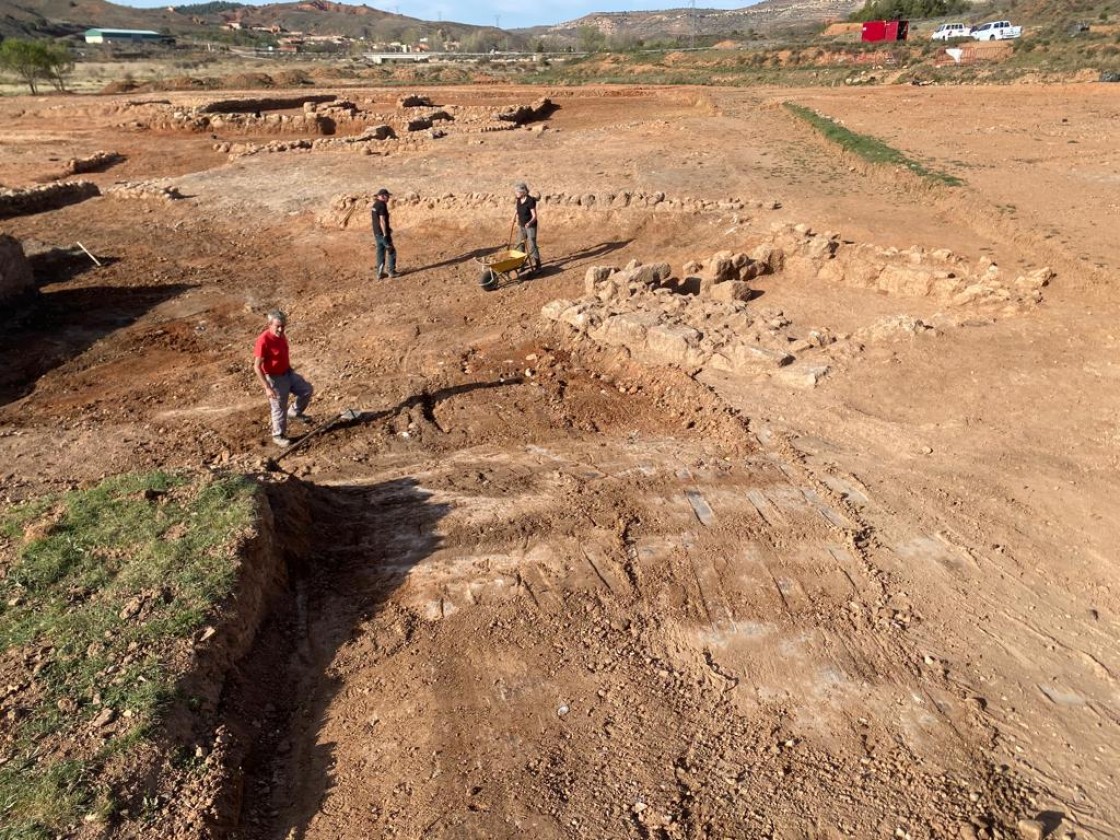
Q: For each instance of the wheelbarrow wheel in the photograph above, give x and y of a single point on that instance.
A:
(488, 280)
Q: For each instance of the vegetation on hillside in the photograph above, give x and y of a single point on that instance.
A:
(867, 148)
(215, 8)
(36, 61)
(908, 9)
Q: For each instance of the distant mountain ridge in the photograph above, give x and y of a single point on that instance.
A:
(762, 18)
(55, 18)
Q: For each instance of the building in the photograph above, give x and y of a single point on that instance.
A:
(126, 36)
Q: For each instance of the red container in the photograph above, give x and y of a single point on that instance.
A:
(885, 30)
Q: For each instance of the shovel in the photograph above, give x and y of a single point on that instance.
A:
(350, 415)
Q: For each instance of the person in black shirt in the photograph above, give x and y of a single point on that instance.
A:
(386, 257)
(526, 218)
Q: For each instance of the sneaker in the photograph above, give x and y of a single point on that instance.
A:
(299, 417)
(393, 275)
(281, 441)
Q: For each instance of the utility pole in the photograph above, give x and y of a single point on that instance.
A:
(692, 24)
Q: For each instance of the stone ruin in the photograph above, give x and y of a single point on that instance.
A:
(339, 212)
(17, 282)
(701, 319)
(329, 116)
(144, 190)
(46, 197)
(96, 162)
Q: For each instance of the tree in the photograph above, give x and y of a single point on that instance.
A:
(24, 59)
(59, 65)
(33, 61)
(591, 39)
(907, 9)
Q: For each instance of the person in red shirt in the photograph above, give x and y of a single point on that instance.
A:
(274, 370)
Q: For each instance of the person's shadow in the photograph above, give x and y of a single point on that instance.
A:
(551, 267)
(591, 252)
(456, 260)
(349, 418)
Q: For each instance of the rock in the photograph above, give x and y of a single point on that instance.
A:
(906, 280)
(740, 357)
(595, 275)
(1031, 830)
(379, 132)
(731, 290)
(648, 275)
(626, 330)
(804, 377)
(580, 317)
(1035, 280)
(552, 310)
(772, 257)
(674, 344)
(131, 608)
(820, 248)
(105, 717)
(721, 268)
(16, 279)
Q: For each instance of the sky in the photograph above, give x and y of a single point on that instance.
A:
(506, 14)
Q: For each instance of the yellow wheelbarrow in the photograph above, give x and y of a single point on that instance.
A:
(508, 264)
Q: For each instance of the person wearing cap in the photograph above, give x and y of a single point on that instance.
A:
(525, 215)
(273, 368)
(386, 256)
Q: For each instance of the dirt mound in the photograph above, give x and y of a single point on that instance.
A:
(249, 81)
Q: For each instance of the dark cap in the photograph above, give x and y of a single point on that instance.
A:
(383, 191)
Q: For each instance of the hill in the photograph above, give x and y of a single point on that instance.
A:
(55, 18)
(762, 18)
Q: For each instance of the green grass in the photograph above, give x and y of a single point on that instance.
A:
(868, 148)
(99, 587)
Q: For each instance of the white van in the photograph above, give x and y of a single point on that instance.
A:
(947, 31)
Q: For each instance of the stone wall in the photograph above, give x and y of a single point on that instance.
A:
(47, 197)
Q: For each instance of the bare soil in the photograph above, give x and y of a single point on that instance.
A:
(544, 587)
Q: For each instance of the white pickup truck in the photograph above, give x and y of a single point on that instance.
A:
(996, 30)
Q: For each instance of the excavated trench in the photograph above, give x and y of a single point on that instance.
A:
(656, 627)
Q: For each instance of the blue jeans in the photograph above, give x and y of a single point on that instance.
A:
(286, 384)
(386, 254)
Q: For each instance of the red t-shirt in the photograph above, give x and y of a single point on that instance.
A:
(274, 350)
